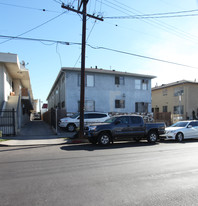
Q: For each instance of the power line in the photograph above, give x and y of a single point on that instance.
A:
(159, 15)
(99, 47)
(142, 56)
(27, 7)
(39, 40)
(35, 27)
(154, 22)
(150, 17)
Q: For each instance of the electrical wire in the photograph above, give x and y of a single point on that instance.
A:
(160, 15)
(35, 27)
(150, 17)
(103, 48)
(153, 22)
(142, 56)
(39, 40)
(27, 7)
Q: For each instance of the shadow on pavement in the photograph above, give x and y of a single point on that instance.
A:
(176, 142)
(117, 145)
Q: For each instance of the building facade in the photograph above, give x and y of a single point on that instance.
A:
(105, 91)
(179, 98)
(15, 89)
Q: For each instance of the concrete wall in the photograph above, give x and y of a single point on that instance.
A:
(1, 83)
(105, 92)
(5, 83)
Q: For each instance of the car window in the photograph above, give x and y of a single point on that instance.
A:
(124, 120)
(180, 124)
(94, 116)
(194, 124)
(136, 120)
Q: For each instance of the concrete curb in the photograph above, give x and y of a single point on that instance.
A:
(60, 141)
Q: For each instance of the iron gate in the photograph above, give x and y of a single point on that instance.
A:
(7, 122)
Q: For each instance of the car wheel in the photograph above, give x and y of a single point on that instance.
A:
(71, 127)
(104, 138)
(179, 137)
(152, 137)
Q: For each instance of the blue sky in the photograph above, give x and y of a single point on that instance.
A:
(173, 39)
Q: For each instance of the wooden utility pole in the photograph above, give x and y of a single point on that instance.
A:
(83, 50)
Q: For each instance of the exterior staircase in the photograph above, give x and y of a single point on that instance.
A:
(12, 103)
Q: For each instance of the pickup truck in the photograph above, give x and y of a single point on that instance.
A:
(125, 127)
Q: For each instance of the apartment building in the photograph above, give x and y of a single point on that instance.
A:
(105, 90)
(179, 98)
(15, 92)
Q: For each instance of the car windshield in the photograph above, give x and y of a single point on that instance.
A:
(180, 124)
(74, 115)
(110, 120)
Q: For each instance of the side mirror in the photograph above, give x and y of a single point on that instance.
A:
(117, 122)
(189, 126)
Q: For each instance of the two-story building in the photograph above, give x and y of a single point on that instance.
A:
(15, 93)
(179, 98)
(105, 90)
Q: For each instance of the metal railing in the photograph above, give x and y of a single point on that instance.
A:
(7, 122)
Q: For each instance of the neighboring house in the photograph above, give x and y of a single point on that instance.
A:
(15, 91)
(105, 91)
(180, 98)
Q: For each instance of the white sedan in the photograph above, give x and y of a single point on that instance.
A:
(182, 130)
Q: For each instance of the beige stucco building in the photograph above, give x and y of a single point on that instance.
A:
(15, 92)
(180, 98)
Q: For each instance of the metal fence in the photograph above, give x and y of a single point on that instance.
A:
(8, 122)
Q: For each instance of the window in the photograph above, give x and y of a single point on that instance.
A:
(89, 106)
(137, 84)
(119, 103)
(194, 124)
(95, 116)
(179, 109)
(63, 104)
(119, 80)
(141, 107)
(165, 109)
(145, 84)
(123, 120)
(178, 91)
(165, 92)
(136, 120)
(89, 80)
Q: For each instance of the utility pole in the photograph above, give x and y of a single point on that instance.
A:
(83, 50)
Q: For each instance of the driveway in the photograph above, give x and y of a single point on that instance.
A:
(39, 133)
(36, 128)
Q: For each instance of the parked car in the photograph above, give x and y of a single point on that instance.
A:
(71, 123)
(182, 130)
(124, 127)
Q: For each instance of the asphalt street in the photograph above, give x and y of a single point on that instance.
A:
(122, 174)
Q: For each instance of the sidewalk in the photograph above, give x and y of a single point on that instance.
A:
(50, 141)
(40, 133)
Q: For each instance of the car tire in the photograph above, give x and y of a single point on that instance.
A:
(152, 137)
(179, 137)
(71, 127)
(104, 138)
